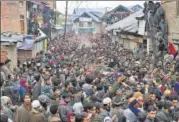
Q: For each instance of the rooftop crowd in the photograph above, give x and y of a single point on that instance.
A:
(99, 83)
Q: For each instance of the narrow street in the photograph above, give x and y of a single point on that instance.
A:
(127, 70)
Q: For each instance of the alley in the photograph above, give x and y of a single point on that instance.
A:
(62, 61)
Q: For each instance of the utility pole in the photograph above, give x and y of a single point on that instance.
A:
(66, 13)
(55, 6)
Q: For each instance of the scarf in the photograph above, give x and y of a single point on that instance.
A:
(133, 109)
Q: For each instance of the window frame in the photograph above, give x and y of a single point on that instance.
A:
(21, 3)
(177, 8)
(90, 24)
(81, 24)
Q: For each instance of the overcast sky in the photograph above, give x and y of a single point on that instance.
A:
(61, 5)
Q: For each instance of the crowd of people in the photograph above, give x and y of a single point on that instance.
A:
(99, 83)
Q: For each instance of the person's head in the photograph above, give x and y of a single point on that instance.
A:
(107, 102)
(56, 91)
(151, 112)
(134, 104)
(36, 105)
(71, 117)
(89, 107)
(152, 96)
(3, 118)
(160, 104)
(66, 97)
(174, 101)
(37, 78)
(30, 71)
(27, 99)
(67, 86)
(140, 100)
(54, 109)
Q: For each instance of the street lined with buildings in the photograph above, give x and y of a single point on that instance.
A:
(94, 65)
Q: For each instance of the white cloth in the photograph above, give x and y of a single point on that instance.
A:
(78, 108)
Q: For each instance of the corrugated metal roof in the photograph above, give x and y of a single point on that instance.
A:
(135, 8)
(129, 24)
(80, 11)
(72, 17)
(93, 17)
(29, 40)
(90, 15)
(11, 37)
(98, 14)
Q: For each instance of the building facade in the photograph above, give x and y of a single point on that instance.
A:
(172, 17)
(13, 16)
(87, 23)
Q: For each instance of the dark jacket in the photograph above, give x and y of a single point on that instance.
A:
(64, 109)
(162, 116)
(36, 92)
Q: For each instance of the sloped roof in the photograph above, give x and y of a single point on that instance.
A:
(11, 37)
(135, 8)
(93, 17)
(29, 40)
(98, 14)
(80, 11)
(129, 24)
(121, 8)
(96, 19)
(72, 17)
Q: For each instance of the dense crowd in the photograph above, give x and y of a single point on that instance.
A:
(99, 83)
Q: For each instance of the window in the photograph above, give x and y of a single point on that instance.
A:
(177, 8)
(81, 24)
(22, 25)
(89, 24)
(21, 16)
(21, 3)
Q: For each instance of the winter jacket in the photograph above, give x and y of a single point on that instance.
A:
(130, 116)
(22, 115)
(149, 120)
(47, 90)
(64, 109)
(37, 117)
(36, 92)
(161, 116)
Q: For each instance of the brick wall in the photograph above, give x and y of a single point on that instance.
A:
(170, 8)
(11, 53)
(51, 4)
(23, 54)
(10, 16)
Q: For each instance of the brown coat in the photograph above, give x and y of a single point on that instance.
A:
(22, 114)
(37, 117)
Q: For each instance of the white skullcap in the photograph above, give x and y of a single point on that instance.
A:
(106, 100)
(35, 104)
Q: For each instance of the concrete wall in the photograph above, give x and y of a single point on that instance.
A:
(23, 54)
(37, 47)
(97, 27)
(11, 54)
(172, 18)
(129, 41)
(10, 16)
(51, 3)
